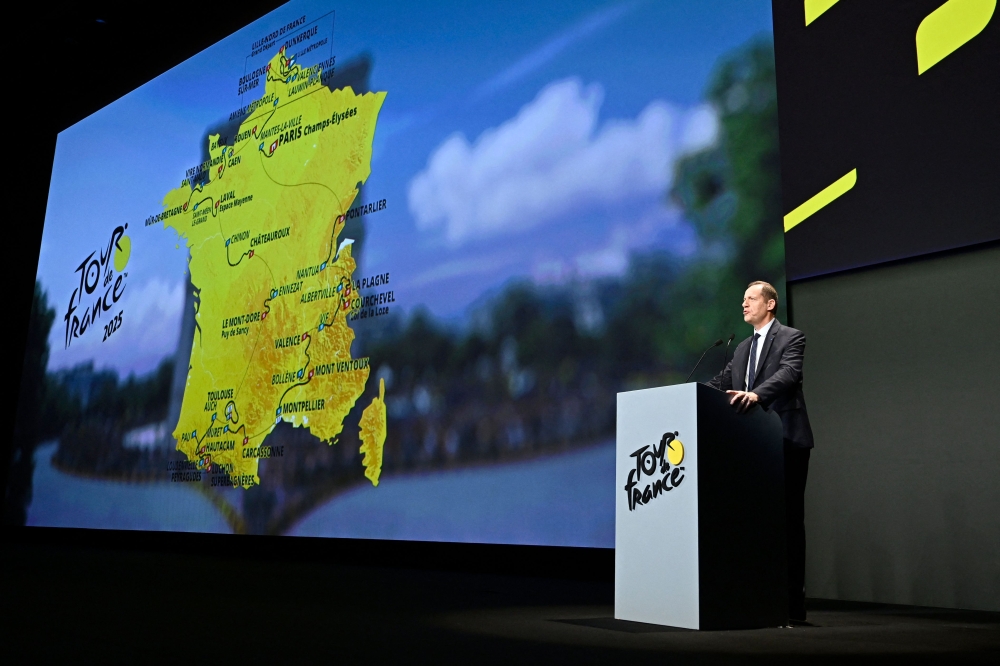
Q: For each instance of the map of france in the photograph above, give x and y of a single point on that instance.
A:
(274, 277)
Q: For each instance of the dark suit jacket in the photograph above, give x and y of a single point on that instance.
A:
(779, 379)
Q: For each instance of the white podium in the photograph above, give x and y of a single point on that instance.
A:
(699, 514)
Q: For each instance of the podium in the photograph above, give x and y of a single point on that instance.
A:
(699, 511)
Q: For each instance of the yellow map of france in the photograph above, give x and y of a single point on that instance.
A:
(274, 276)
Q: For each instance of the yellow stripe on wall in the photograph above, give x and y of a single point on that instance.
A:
(825, 197)
(814, 8)
(948, 27)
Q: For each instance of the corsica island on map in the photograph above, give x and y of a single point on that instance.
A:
(274, 276)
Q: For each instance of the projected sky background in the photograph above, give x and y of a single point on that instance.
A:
(575, 195)
(530, 139)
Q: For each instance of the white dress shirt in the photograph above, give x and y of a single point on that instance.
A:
(762, 331)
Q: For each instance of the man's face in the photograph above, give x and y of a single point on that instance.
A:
(754, 306)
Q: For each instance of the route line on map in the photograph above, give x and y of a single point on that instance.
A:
(340, 204)
(286, 73)
(270, 112)
(228, 258)
(260, 330)
(325, 187)
(197, 189)
(247, 369)
(267, 308)
(230, 262)
(302, 370)
(307, 333)
(281, 106)
(242, 428)
(213, 209)
(246, 142)
(308, 379)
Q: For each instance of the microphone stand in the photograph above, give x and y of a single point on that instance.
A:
(714, 345)
(725, 357)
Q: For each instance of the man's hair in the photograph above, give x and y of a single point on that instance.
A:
(768, 292)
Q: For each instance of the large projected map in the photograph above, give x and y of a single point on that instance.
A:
(379, 269)
(274, 277)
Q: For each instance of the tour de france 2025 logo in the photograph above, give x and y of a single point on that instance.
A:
(670, 452)
(101, 285)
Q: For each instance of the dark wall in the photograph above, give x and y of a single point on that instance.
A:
(903, 498)
(923, 146)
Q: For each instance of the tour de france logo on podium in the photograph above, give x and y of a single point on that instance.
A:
(664, 459)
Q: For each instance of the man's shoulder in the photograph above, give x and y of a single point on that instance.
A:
(786, 331)
(777, 330)
(787, 338)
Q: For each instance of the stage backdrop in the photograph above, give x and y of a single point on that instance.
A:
(378, 269)
(889, 149)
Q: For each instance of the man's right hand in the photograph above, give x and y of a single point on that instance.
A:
(743, 400)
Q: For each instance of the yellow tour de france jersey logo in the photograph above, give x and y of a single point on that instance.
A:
(675, 452)
(123, 250)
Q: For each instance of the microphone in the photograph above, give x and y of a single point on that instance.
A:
(714, 345)
(725, 357)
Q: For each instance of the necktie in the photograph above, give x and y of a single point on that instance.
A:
(753, 362)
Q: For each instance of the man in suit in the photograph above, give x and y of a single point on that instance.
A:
(766, 370)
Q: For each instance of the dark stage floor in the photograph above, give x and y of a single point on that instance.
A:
(88, 605)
